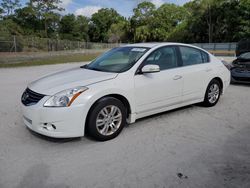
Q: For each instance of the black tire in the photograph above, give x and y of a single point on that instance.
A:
(207, 102)
(92, 129)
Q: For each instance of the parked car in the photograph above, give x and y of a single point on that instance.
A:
(240, 68)
(121, 86)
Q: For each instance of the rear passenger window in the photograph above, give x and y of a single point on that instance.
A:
(192, 56)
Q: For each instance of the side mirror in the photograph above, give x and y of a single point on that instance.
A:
(150, 69)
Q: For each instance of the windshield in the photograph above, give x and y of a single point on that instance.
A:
(245, 55)
(118, 59)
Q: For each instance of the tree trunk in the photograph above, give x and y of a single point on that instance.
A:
(46, 28)
(210, 26)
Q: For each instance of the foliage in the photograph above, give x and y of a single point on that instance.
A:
(1, 13)
(74, 28)
(218, 21)
(166, 20)
(27, 20)
(10, 5)
(9, 27)
(195, 21)
(118, 32)
(142, 21)
(101, 22)
(45, 12)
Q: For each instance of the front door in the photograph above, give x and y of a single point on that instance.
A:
(157, 90)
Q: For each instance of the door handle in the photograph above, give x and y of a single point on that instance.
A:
(208, 70)
(177, 77)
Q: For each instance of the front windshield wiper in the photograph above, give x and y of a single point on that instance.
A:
(90, 68)
(84, 66)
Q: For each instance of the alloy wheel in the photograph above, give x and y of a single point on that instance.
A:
(109, 120)
(213, 93)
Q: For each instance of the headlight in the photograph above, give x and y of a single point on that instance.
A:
(64, 98)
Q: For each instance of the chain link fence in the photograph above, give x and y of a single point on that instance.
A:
(219, 49)
(34, 48)
(35, 44)
(217, 46)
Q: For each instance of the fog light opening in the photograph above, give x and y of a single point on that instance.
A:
(49, 126)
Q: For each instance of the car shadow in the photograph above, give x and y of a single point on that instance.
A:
(55, 140)
(60, 140)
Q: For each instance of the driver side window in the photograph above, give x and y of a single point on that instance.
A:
(165, 57)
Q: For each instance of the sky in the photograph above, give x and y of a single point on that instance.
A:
(124, 7)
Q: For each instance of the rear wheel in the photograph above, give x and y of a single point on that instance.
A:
(106, 119)
(213, 93)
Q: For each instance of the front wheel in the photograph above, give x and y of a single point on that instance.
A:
(106, 119)
(213, 93)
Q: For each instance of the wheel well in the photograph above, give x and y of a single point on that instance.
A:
(220, 81)
(123, 100)
(117, 96)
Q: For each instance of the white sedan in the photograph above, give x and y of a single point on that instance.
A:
(121, 86)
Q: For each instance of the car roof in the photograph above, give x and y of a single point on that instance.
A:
(156, 44)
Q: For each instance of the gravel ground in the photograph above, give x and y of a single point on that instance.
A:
(189, 147)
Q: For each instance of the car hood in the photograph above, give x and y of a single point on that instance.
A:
(54, 83)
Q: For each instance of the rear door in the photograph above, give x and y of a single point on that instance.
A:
(196, 71)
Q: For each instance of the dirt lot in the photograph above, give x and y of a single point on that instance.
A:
(189, 147)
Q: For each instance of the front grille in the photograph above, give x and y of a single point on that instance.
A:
(30, 97)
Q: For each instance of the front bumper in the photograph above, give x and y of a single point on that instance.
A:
(55, 122)
(240, 76)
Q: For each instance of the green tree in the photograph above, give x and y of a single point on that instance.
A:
(74, 28)
(210, 12)
(81, 28)
(217, 21)
(200, 23)
(10, 27)
(45, 11)
(10, 5)
(244, 7)
(142, 33)
(1, 13)
(52, 23)
(142, 20)
(26, 18)
(166, 19)
(180, 33)
(101, 22)
(67, 26)
(143, 13)
(196, 21)
(118, 32)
